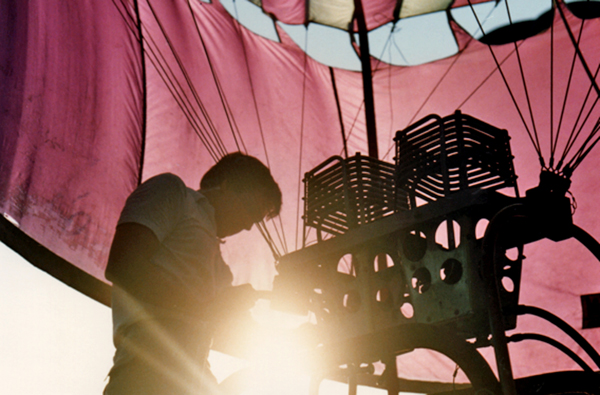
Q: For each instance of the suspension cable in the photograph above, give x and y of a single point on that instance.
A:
(144, 92)
(129, 19)
(563, 109)
(262, 228)
(391, 133)
(436, 86)
(576, 135)
(576, 46)
(583, 153)
(443, 77)
(180, 98)
(216, 79)
(389, 43)
(525, 89)
(251, 82)
(212, 129)
(281, 236)
(214, 145)
(537, 149)
(553, 143)
(301, 145)
(354, 121)
(339, 110)
(490, 74)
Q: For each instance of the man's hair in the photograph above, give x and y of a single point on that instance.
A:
(245, 173)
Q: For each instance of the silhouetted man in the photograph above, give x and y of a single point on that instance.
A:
(170, 284)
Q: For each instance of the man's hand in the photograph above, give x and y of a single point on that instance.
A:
(233, 302)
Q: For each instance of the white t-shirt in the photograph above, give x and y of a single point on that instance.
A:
(154, 340)
(183, 221)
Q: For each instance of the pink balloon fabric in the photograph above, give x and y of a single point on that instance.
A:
(84, 118)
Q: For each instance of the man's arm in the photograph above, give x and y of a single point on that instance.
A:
(129, 267)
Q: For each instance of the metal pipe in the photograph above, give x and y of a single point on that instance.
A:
(365, 60)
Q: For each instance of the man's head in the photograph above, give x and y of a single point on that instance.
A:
(242, 191)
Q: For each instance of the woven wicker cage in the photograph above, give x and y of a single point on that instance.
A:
(341, 194)
(436, 157)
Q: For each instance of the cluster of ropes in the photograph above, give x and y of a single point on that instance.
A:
(559, 164)
(189, 100)
(180, 85)
(583, 134)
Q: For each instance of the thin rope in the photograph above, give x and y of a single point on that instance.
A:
(254, 101)
(388, 45)
(588, 115)
(339, 110)
(575, 135)
(129, 19)
(395, 44)
(528, 101)
(301, 137)
(134, 23)
(174, 86)
(577, 50)
(526, 90)
(564, 107)
(576, 161)
(509, 90)
(187, 114)
(487, 77)
(211, 129)
(434, 89)
(281, 237)
(583, 123)
(553, 143)
(179, 97)
(224, 103)
(390, 104)
(437, 85)
(360, 107)
(144, 92)
(267, 236)
(443, 77)
(582, 151)
(354, 121)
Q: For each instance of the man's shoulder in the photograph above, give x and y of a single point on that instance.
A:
(158, 191)
(168, 183)
(165, 178)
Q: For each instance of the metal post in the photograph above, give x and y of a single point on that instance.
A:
(365, 60)
(391, 369)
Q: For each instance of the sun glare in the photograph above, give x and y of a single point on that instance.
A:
(278, 360)
(274, 365)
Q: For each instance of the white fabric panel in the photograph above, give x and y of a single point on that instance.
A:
(417, 7)
(336, 13)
